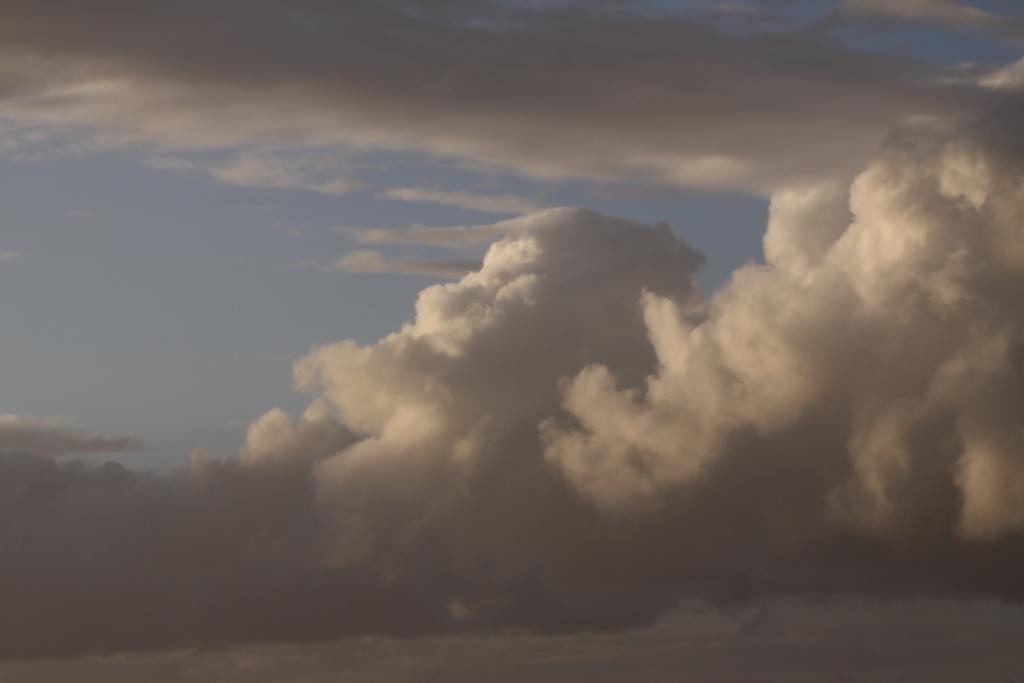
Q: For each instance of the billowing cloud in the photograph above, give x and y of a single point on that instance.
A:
(898, 321)
(578, 91)
(51, 437)
(572, 437)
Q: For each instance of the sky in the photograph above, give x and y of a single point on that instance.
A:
(508, 339)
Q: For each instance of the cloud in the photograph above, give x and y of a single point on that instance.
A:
(572, 438)
(802, 642)
(952, 14)
(949, 12)
(50, 437)
(1009, 77)
(368, 261)
(454, 237)
(909, 282)
(309, 173)
(10, 255)
(464, 200)
(578, 91)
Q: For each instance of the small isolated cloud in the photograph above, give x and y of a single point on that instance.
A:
(84, 213)
(10, 255)
(464, 200)
(369, 261)
(50, 437)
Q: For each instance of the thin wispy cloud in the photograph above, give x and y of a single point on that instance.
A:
(465, 200)
(453, 237)
(53, 437)
(311, 174)
(369, 261)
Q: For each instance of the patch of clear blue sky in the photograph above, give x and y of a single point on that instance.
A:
(165, 304)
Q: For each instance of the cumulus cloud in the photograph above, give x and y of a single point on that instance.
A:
(577, 91)
(51, 437)
(914, 291)
(853, 400)
(572, 437)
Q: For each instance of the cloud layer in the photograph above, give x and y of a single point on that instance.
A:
(571, 91)
(50, 437)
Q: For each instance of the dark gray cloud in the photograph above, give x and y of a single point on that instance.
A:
(578, 91)
(50, 437)
(842, 641)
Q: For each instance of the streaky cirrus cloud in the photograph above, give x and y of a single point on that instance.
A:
(487, 203)
(309, 172)
(453, 237)
(53, 437)
(370, 261)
